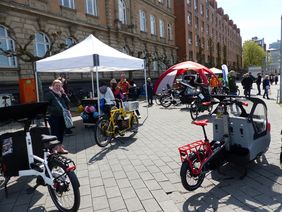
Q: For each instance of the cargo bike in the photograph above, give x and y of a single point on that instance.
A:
(241, 134)
(27, 151)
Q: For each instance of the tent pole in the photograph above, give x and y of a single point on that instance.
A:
(98, 92)
(36, 86)
(146, 92)
(92, 83)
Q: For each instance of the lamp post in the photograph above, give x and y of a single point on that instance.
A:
(281, 64)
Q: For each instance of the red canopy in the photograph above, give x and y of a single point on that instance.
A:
(169, 75)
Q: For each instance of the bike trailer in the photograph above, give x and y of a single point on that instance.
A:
(249, 130)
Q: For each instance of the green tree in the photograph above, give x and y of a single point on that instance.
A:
(253, 54)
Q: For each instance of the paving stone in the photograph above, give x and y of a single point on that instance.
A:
(160, 195)
(128, 193)
(98, 191)
(152, 184)
(151, 205)
(143, 193)
(137, 183)
(116, 203)
(100, 203)
(133, 204)
(112, 192)
(168, 206)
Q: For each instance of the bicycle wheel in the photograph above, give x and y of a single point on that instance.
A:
(194, 112)
(157, 99)
(189, 181)
(102, 135)
(134, 124)
(65, 192)
(165, 101)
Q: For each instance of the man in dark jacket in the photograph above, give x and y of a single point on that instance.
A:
(258, 82)
(247, 83)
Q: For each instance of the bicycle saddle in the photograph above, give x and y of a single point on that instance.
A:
(201, 122)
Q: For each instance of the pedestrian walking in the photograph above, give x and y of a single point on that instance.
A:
(266, 86)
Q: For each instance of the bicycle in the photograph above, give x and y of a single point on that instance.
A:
(119, 121)
(52, 170)
(240, 136)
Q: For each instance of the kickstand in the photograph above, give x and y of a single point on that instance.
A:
(5, 186)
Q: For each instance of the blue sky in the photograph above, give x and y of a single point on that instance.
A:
(261, 18)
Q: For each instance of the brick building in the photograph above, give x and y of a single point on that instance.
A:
(141, 28)
(206, 35)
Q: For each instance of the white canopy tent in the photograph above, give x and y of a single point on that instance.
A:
(88, 56)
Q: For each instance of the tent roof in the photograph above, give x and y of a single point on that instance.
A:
(80, 58)
(216, 70)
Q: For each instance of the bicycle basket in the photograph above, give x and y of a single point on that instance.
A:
(131, 105)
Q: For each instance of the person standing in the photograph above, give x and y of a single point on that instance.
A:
(247, 83)
(123, 84)
(133, 95)
(232, 83)
(276, 79)
(149, 91)
(57, 98)
(266, 86)
(258, 82)
(213, 84)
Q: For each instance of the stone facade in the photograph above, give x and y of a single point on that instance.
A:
(24, 18)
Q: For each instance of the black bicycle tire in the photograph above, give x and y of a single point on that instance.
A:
(194, 117)
(97, 138)
(183, 175)
(134, 117)
(75, 185)
(162, 103)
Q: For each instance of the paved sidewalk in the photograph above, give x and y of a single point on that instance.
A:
(141, 173)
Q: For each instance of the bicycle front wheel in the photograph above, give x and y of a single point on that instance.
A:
(166, 101)
(102, 135)
(194, 112)
(65, 192)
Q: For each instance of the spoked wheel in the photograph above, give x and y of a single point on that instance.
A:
(194, 111)
(166, 101)
(102, 135)
(134, 124)
(65, 192)
(189, 181)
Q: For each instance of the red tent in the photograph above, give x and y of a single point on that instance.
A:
(169, 75)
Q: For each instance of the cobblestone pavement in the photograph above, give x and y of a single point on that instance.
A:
(141, 173)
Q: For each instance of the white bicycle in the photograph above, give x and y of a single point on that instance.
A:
(22, 157)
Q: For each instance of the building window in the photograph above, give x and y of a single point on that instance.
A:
(190, 38)
(70, 42)
(161, 28)
(142, 17)
(91, 7)
(153, 24)
(42, 44)
(122, 11)
(6, 43)
(197, 23)
(189, 18)
(201, 9)
(169, 32)
(168, 3)
(197, 40)
(196, 5)
(68, 3)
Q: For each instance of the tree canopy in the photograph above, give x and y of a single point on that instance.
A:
(253, 54)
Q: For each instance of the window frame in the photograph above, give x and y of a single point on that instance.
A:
(46, 44)
(10, 45)
(153, 24)
(93, 10)
(169, 31)
(162, 28)
(142, 19)
(71, 3)
(122, 15)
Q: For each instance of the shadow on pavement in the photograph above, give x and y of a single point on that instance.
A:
(247, 194)
(118, 143)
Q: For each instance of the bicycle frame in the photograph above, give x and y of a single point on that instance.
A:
(31, 158)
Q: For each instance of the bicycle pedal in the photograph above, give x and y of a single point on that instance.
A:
(36, 167)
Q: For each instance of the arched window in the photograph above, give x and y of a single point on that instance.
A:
(6, 43)
(42, 44)
(122, 11)
(70, 42)
(142, 17)
(153, 24)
